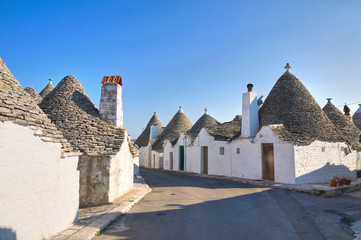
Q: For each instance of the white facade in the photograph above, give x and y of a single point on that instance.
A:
(121, 172)
(38, 188)
(322, 160)
(250, 122)
(144, 156)
(314, 163)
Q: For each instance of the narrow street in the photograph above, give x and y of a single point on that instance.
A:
(184, 207)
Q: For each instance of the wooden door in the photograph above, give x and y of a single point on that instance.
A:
(268, 161)
(181, 158)
(171, 160)
(204, 159)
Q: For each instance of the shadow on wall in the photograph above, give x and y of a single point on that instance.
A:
(326, 173)
(7, 234)
(85, 103)
(136, 169)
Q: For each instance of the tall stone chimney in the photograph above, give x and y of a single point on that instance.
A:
(250, 122)
(111, 103)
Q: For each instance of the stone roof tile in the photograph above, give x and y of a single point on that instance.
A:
(349, 131)
(179, 123)
(18, 106)
(289, 103)
(72, 111)
(144, 137)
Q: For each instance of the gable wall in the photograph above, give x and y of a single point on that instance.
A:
(39, 189)
(144, 154)
(121, 172)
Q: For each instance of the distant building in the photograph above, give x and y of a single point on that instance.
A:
(47, 89)
(285, 138)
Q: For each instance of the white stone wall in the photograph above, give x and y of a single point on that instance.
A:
(167, 149)
(121, 172)
(284, 163)
(144, 154)
(248, 163)
(321, 160)
(38, 189)
(111, 104)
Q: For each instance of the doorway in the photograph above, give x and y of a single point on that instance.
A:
(204, 157)
(171, 160)
(181, 158)
(268, 170)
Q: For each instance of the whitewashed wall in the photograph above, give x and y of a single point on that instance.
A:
(313, 165)
(38, 189)
(144, 154)
(167, 149)
(284, 163)
(248, 163)
(121, 172)
(154, 156)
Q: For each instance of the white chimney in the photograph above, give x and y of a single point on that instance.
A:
(111, 103)
(250, 122)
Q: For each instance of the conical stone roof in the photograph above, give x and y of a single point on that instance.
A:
(19, 107)
(289, 103)
(206, 121)
(349, 131)
(47, 89)
(356, 118)
(179, 123)
(144, 137)
(227, 131)
(69, 107)
(31, 91)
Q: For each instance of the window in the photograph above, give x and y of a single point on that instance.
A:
(323, 149)
(153, 132)
(238, 150)
(221, 151)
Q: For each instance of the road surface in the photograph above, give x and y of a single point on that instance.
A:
(186, 207)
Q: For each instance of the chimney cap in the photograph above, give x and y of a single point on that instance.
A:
(328, 100)
(115, 79)
(250, 87)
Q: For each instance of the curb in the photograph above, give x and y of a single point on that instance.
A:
(321, 190)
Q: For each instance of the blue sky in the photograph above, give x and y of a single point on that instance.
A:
(193, 53)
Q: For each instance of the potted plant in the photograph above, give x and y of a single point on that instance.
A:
(334, 182)
(347, 181)
(340, 182)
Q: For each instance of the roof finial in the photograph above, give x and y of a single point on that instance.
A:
(347, 110)
(205, 110)
(155, 113)
(180, 107)
(50, 80)
(288, 67)
(328, 100)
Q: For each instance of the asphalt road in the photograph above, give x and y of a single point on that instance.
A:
(184, 207)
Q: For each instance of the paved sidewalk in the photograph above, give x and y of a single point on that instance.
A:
(322, 190)
(93, 220)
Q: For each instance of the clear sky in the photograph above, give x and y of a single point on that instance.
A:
(193, 53)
